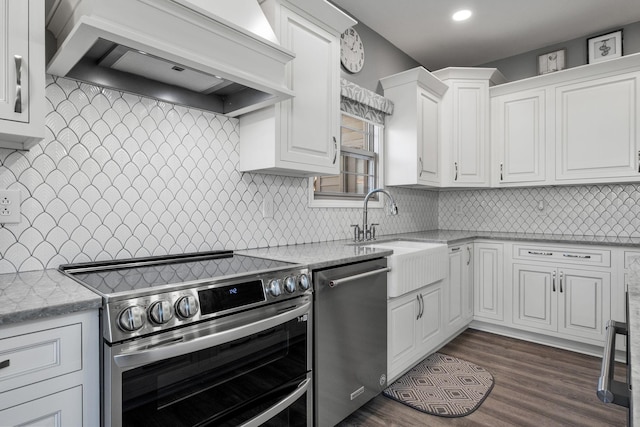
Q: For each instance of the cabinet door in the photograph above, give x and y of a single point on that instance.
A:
(402, 332)
(596, 131)
(431, 330)
(584, 302)
(14, 39)
(488, 283)
(535, 299)
(310, 119)
(468, 129)
(428, 138)
(453, 289)
(55, 410)
(467, 284)
(519, 131)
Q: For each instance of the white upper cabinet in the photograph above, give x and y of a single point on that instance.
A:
(22, 96)
(597, 134)
(465, 155)
(576, 126)
(413, 135)
(300, 136)
(438, 134)
(519, 137)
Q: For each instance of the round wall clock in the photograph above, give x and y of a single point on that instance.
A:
(351, 51)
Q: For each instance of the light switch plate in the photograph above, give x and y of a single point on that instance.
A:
(267, 206)
(10, 206)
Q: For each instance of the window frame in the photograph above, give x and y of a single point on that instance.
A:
(354, 201)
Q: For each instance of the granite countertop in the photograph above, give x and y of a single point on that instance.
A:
(40, 294)
(327, 254)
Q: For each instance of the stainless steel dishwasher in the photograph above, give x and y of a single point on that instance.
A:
(350, 338)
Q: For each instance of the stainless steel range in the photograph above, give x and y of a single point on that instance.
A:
(202, 339)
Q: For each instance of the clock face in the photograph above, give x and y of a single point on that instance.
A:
(351, 51)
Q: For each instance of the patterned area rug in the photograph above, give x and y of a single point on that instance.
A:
(442, 385)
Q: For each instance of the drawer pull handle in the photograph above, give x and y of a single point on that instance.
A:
(18, 105)
(577, 256)
(553, 282)
(456, 166)
(421, 167)
(455, 249)
(501, 171)
(5, 364)
(561, 276)
(540, 253)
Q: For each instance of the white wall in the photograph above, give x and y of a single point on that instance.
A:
(526, 64)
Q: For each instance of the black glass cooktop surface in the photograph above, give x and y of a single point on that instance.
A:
(137, 274)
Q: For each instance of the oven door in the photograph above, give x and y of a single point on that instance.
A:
(247, 369)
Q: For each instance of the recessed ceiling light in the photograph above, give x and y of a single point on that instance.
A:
(461, 15)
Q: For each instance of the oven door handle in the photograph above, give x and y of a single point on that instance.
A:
(259, 420)
(143, 357)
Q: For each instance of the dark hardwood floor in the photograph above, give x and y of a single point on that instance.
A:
(535, 385)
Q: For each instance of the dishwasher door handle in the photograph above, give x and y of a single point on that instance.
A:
(336, 282)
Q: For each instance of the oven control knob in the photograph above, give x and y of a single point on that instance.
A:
(187, 307)
(131, 318)
(275, 287)
(160, 312)
(290, 284)
(303, 282)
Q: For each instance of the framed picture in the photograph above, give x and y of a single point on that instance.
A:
(604, 47)
(552, 61)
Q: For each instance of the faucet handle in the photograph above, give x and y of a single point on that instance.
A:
(373, 230)
(356, 232)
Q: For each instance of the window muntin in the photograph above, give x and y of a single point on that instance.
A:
(360, 165)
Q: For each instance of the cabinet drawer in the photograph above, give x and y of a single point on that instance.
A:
(58, 409)
(38, 356)
(565, 255)
(631, 257)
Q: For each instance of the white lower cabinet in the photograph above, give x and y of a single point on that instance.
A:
(571, 302)
(458, 288)
(50, 371)
(56, 410)
(415, 328)
(488, 283)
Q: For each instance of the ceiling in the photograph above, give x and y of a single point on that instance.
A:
(423, 29)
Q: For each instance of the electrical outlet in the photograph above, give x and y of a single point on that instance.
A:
(457, 209)
(9, 206)
(267, 206)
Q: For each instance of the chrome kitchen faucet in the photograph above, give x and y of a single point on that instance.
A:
(369, 232)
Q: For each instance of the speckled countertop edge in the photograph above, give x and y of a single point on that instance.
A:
(44, 293)
(40, 294)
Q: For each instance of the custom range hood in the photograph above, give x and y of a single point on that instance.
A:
(215, 55)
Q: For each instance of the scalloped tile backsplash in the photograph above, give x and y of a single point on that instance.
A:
(121, 176)
(595, 210)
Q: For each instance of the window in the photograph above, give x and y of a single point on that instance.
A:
(360, 166)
